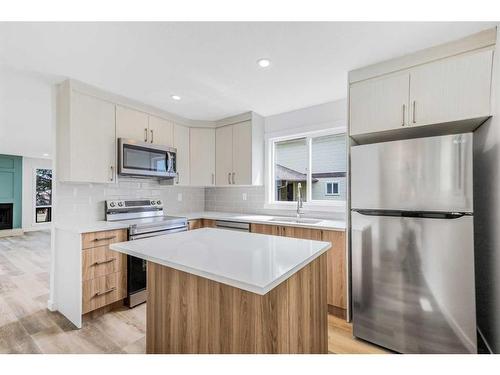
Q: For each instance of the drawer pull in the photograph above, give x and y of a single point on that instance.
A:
(105, 292)
(104, 262)
(104, 238)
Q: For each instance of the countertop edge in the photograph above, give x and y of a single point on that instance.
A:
(221, 279)
(220, 216)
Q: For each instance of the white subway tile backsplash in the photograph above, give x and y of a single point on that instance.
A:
(85, 202)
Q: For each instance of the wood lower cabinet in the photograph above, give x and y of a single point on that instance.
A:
(336, 259)
(195, 224)
(104, 290)
(104, 271)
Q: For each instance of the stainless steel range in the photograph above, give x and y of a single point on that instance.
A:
(145, 218)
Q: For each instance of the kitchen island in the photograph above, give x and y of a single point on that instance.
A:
(219, 291)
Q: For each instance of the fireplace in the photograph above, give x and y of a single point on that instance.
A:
(6, 215)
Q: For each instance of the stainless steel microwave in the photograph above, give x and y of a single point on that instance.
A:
(136, 158)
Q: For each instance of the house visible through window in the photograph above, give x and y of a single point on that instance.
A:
(43, 195)
(317, 163)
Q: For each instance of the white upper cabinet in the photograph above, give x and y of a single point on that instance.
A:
(452, 89)
(181, 143)
(86, 138)
(224, 154)
(379, 104)
(436, 91)
(131, 124)
(240, 150)
(202, 159)
(161, 132)
(242, 153)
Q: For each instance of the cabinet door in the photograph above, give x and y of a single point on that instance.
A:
(181, 143)
(336, 269)
(452, 89)
(131, 124)
(224, 154)
(202, 160)
(161, 132)
(273, 230)
(93, 139)
(242, 153)
(379, 104)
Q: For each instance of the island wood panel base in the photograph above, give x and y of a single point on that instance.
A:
(191, 314)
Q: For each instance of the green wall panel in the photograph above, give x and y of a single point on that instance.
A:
(11, 185)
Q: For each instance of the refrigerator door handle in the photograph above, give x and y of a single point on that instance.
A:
(417, 214)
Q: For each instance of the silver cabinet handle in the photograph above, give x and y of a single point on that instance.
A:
(177, 175)
(152, 135)
(104, 238)
(404, 110)
(103, 262)
(213, 178)
(105, 292)
(414, 106)
(229, 178)
(145, 134)
(233, 178)
(112, 173)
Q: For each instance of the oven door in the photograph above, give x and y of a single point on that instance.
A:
(136, 269)
(145, 159)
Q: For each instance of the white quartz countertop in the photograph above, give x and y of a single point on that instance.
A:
(264, 219)
(88, 227)
(253, 262)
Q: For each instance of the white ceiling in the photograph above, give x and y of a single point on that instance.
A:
(212, 66)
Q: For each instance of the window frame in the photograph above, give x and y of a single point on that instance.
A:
(332, 194)
(309, 204)
(35, 206)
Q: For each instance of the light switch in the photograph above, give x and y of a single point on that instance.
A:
(244, 196)
(179, 197)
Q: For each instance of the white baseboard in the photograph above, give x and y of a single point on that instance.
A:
(51, 305)
(11, 232)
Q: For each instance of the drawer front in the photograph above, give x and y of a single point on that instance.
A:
(101, 261)
(103, 291)
(95, 239)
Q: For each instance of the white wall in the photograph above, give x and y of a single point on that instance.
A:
(487, 217)
(318, 117)
(26, 113)
(29, 166)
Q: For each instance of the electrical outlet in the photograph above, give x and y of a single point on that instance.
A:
(179, 197)
(244, 196)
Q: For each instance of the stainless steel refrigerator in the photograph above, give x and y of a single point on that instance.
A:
(412, 248)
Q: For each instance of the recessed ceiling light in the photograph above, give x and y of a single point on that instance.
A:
(264, 63)
(176, 97)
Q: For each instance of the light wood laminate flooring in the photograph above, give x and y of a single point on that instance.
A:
(27, 326)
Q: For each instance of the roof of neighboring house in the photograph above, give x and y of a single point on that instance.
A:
(329, 174)
(288, 174)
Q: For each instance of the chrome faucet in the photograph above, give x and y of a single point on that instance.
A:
(299, 200)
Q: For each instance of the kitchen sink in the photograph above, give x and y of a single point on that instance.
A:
(295, 220)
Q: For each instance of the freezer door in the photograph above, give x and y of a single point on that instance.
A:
(413, 283)
(424, 174)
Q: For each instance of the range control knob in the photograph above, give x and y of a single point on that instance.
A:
(152, 202)
(112, 204)
(120, 204)
(158, 202)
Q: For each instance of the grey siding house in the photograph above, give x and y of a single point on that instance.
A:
(329, 165)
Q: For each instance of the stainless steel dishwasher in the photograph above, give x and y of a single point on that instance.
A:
(232, 225)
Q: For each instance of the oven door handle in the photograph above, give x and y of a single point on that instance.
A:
(159, 233)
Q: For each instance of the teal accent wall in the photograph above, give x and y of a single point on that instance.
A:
(11, 185)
